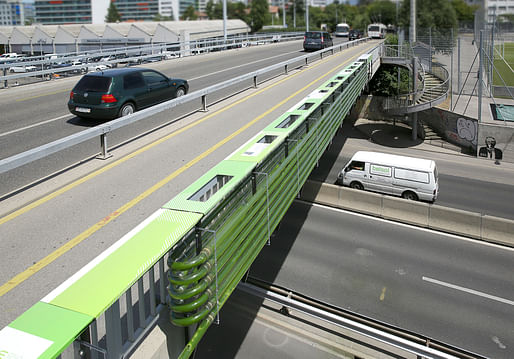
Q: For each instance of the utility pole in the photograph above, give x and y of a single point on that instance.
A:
(412, 30)
(307, 15)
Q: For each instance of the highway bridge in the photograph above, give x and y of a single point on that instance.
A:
(66, 221)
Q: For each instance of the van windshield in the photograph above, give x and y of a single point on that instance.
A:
(373, 28)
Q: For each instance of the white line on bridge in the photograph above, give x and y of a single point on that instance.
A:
(470, 291)
(34, 125)
(245, 64)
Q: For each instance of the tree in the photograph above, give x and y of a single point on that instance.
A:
(259, 13)
(159, 17)
(112, 14)
(437, 15)
(464, 12)
(382, 12)
(189, 14)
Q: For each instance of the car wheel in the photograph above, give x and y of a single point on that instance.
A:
(356, 185)
(126, 109)
(410, 196)
(181, 92)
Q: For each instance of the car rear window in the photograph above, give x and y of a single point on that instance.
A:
(94, 84)
(313, 35)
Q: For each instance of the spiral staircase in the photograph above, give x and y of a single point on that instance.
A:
(431, 85)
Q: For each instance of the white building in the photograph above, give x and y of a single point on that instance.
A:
(494, 8)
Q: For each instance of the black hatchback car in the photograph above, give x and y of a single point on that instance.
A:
(114, 93)
(354, 35)
(316, 40)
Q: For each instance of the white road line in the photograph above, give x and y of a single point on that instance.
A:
(34, 125)
(242, 65)
(470, 291)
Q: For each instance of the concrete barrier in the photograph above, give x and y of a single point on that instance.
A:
(456, 221)
(498, 230)
(361, 201)
(451, 220)
(411, 212)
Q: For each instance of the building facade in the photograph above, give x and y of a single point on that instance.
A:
(56, 12)
(14, 12)
(494, 8)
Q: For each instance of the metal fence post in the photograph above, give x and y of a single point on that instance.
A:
(105, 152)
(113, 331)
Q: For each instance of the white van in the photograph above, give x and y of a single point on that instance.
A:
(377, 31)
(407, 177)
(342, 30)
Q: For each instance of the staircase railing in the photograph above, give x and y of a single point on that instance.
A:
(410, 99)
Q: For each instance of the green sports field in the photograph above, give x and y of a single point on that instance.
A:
(504, 66)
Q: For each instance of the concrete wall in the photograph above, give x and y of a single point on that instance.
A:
(445, 219)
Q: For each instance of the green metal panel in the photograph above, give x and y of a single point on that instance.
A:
(237, 170)
(95, 290)
(43, 331)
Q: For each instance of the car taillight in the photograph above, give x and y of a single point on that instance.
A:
(71, 95)
(108, 99)
(322, 39)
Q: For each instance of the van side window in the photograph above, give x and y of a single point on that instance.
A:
(357, 165)
(410, 175)
(380, 170)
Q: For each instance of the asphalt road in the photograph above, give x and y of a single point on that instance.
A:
(454, 290)
(465, 182)
(37, 114)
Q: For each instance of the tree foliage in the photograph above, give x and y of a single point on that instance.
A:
(189, 13)
(259, 14)
(235, 10)
(385, 81)
(112, 13)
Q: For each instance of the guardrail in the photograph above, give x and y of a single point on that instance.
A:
(209, 234)
(104, 129)
(46, 68)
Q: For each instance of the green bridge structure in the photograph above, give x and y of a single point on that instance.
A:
(190, 254)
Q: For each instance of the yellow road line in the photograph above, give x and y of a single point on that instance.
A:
(12, 283)
(383, 294)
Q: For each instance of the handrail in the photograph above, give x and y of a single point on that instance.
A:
(104, 129)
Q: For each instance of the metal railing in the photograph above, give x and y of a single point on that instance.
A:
(46, 68)
(104, 129)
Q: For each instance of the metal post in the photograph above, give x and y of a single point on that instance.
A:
(103, 142)
(414, 126)
(480, 76)
(225, 21)
(141, 303)
(204, 103)
(451, 72)
(306, 15)
(412, 30)
(458, 66)
(130, 316)
(491, 66)
(113, 331)
(284, 13)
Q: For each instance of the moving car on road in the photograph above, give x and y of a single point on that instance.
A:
(119, 92)
(342, 30)
(316, 40)
(408, 177)
(354, 34)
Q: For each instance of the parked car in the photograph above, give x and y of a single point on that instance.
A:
(354, 34)
(316, 40)
(119, 92)
(19, 69)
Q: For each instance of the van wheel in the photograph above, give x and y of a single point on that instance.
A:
(411, 196)
(356, 185)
